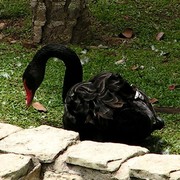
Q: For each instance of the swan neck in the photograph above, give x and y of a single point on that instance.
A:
(73, 72)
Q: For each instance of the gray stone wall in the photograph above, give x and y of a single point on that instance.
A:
(48, 153)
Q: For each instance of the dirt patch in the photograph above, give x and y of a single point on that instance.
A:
(15, 29)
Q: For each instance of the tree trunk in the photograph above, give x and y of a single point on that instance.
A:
(64, 21)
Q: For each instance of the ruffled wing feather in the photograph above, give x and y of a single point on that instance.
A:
(99, 97)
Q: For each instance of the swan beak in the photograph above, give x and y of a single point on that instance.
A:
(29, 95)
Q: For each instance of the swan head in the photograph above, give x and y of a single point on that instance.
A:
(32, 78)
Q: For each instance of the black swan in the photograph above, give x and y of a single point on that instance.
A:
(106, 108)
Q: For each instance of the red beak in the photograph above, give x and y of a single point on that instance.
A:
(29, 95)
(29, 98)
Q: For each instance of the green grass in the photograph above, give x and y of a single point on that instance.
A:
(14, 8)
(158, 73)
(146, 18)
(16, 14)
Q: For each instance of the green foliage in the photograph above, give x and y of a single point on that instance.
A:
(158, 63)
(14, 8)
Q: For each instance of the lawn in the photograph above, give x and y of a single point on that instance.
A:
(151, 65)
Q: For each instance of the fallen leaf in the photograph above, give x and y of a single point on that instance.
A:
(135, 67)
(122, 61)
(127, 33)
(153, 100)
(172, 87)
(13, 41)
(102, 47)
(159, 36)
(29, 45)
(38, 106)
(2, 26)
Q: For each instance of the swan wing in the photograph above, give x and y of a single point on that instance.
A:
(99, 97)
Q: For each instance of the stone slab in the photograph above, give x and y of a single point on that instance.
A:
(60, 167)
(35, 173)
(7, 129)
(43, 142)
(14, 166)
(123, 172)
(61, 176)
(102, 156)
(154, 166)
(175, 175)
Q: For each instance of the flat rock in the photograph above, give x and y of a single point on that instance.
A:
(14, 166)
(102, 156)
(175, 175)
(62, 176)
(7, 129)
(34, 174)
(44, 142)
(123, 172)
(154, 166)
(60, 167)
